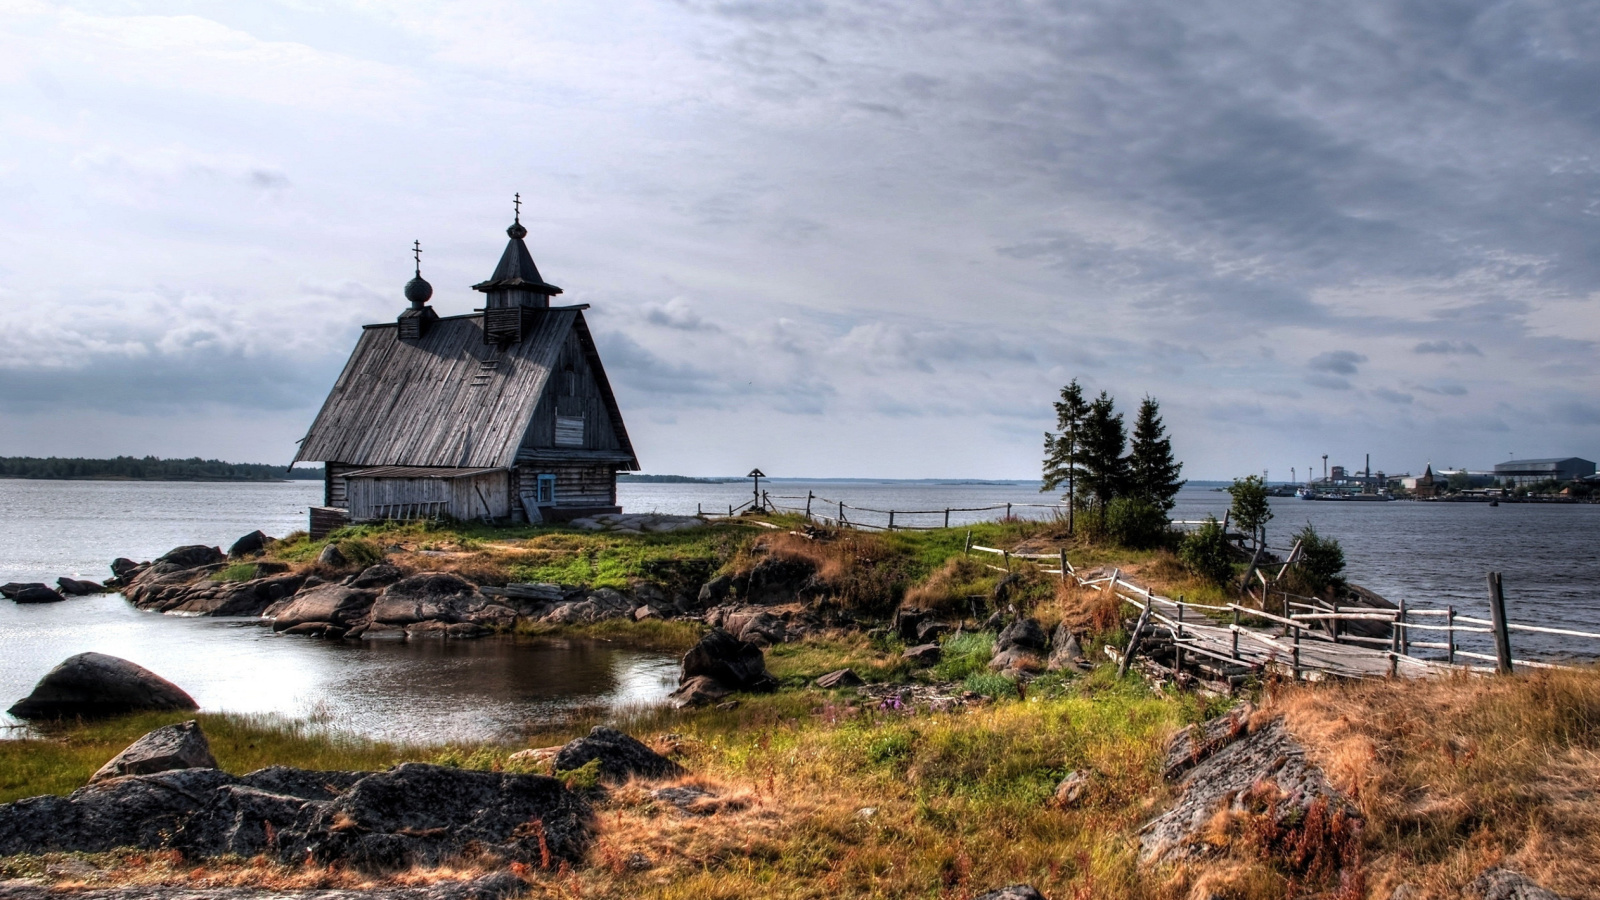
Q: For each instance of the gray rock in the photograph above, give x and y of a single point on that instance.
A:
(306, 784)
(427, 596)
(1071, 790)
(1194, 744)
(243, 598)
(1506, 884)
(929, 632)
(1013, 892)
(188, 558)
(180, 746)
(74, 587)
(923, 654)
(735, 664)
(36, 593)
(1016, 661)
(1024, 633)
(621, 756)
(908, 621)
(10, 589)
(716, 590)
(122, 566)
(495, 886)
(1065, 652)
(1267, 757)
(332, 604)
(839, 678)
(380, 575)
(94, 684)
(646, 612)
(142, 811)
(330, 556)
(419, 814)
(779, 580)
(699, 690)
(249, 545)
(763, 629)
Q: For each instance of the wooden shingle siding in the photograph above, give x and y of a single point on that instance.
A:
(464, 497)
(580, 485)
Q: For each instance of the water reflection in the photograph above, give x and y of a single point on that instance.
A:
(493, 688)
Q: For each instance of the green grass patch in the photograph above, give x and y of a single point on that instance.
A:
(243, 571)
(965, 655)
(664, 635)
(801, 662)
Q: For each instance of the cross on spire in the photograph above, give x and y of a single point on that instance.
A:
(416, 253)
(516, 203)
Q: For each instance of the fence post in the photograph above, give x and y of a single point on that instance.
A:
(947, 517)
(809, 495)
(697, 510)
(1007, 555)
(1450, 635)
(730, 510)
(966, 550)
(766, 501)
(1177, 645)
(1133, 642)
(1063, 566)
(891, 520)
(1405, 633)
(1235, 634)
(1296, 652)
(1502, 634)
(841, 513)
(1333, 623)
(1008, 512)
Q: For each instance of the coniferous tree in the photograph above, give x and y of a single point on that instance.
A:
(1061, 448)
(1104, 470)
(1152, 472)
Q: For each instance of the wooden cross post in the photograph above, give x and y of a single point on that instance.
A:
(1133, 642)
(1502, 634)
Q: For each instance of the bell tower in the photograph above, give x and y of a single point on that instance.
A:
(516, 291)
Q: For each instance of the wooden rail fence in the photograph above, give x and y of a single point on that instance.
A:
(1226, 643)
(837, 512)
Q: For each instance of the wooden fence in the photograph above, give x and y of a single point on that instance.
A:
(838, 513)
(1228, 643)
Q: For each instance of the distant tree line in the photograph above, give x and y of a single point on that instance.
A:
(148, 468)
(1126, 494)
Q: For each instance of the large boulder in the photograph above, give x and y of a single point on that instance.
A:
(1024, 633)
(621, 756)
(188, 558)
(328, 604)
(438, 596)
(377, 576)
(122, 567)
(332, 557)
(735, 664)
(699, 690)
(419, 814)
(36, 593)
(1263, 772)
(94, 684)
(74, 587)
(840, 678)
(228, 598)
(251, 544)
(180, 746)
(414, 814)
(1065, 651)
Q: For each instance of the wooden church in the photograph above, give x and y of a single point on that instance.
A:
(505, 414)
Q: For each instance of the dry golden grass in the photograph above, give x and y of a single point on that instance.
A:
(1456, 774)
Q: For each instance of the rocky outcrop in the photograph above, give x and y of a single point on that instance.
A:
(250, 545)
(94, 684)
(1224, 765)
(76, 587)
(735, 664)
(32, 592)
(494, 886)
(621, 756)
(188, 558)
(779, 579)
(923, 654)
(180, 746)
(414, 814)
(182, 595)
(1065, 651)
(325, 607)
(697, 690)
(377, 576)
(841, 678)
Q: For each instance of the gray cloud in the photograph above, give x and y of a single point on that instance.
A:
(1339, 362)
(1456, 347)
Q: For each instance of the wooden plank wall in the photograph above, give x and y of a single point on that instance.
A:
(576, 485)
(467, 498)
(574, 393)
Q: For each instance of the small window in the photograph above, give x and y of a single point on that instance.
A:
(569, 431)
(571, 379)
(547, 489)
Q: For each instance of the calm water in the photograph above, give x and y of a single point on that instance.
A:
(1432, 554)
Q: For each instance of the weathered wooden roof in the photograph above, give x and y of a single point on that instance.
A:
(446, 399)
(418, 472)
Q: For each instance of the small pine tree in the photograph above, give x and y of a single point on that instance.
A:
(1061, 448)
(1104, 472)
(1152, 472)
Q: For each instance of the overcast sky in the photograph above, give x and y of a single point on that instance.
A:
(824, 238)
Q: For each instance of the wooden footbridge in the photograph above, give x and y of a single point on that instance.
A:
(1228, 645)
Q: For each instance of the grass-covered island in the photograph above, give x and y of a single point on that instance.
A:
(947, 773)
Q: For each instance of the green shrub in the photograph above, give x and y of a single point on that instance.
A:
(1321, 559)
(992, 685)
(1205, 552)
(1135, 524)
(361, 552)
(965, 654)
(243, 571)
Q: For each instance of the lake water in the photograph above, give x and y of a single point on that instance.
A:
(1430, 553)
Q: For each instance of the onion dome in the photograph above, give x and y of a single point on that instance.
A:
(418, 291)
